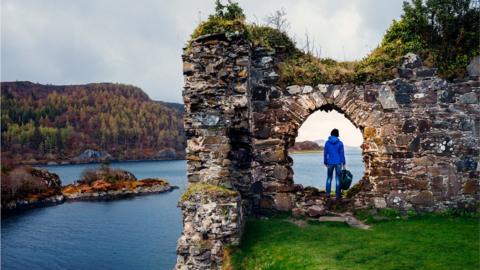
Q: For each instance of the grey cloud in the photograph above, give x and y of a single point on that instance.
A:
(140, 42)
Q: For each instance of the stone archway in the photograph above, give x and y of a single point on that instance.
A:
(421, 141)
(298, 103)
(308, 167)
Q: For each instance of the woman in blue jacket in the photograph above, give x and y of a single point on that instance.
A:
(334, 159)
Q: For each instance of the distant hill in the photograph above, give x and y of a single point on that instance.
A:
(305, 146)
(82, 123)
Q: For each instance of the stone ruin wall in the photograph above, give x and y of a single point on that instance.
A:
(421, 140)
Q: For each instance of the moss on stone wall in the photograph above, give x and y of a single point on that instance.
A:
(213, 191)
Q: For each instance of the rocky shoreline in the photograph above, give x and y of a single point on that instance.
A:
(24, 204)
(94, 195)
(99, 190)
(26, 188)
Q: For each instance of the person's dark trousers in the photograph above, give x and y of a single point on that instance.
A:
(338, 172)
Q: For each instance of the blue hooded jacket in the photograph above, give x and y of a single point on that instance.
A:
(333, 152)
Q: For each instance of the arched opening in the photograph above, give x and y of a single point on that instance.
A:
(308, 151)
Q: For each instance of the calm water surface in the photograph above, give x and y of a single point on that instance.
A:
(136, 233)
(309, 169)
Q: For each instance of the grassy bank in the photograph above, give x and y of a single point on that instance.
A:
(423, 242)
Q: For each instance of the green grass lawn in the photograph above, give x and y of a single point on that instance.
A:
(422, 242)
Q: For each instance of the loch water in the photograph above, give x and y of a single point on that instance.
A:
(135, 233)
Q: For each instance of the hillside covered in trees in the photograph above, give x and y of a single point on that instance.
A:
(45, 123)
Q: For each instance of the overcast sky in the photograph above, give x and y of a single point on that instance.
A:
(140, 42)
(320, 124)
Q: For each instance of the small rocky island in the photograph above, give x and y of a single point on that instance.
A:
(306, 146)
(106, 183)
(26, 187)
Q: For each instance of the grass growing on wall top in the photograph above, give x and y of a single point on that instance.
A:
(305, 69)
(444, 33)
(423, 242)
(215, 25)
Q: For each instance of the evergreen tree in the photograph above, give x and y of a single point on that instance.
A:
(36, 139)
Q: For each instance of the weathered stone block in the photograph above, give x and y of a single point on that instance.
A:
(241, 88)
(386, 97)
(214, 140)
(471, 187)
(388, 130)
(409, 126)
(425, 72)
(242, 73)
(414, 144)
(423, 161)
(297, 212)
(405, 73)
(239, 101)
(445, 147)
(294, 89)
(263, 133)
(403, 92)
(283, 202)
(267, 142)
(243, 61)
(466, 124)
(447, 96)
(469, 98)
(307, 89)
(424, 125)
(466, 164)
(369, 133)
(275, 155)
(370, 96)
(316, 210)
(275, 94)
(266, 203)
(324, 88)
(280, 172)
(424, 198)
(188, 68)
(425, 98)
(209, 119)
(411, 60)
(259, 93)
(379, 202)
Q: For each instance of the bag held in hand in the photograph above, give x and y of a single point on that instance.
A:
(346, 179)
